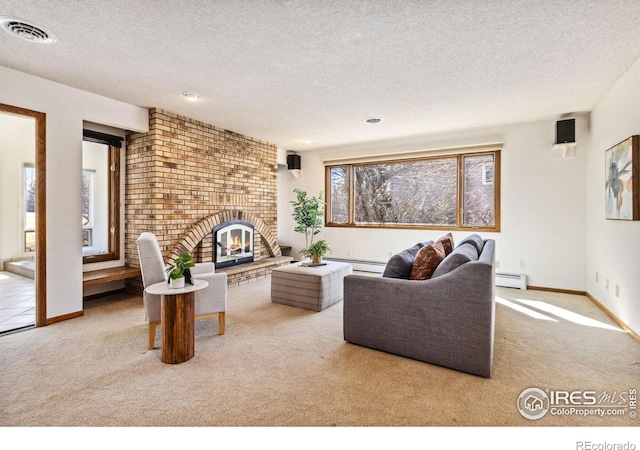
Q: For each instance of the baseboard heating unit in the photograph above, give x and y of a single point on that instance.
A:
(365, 266)
(512, 280)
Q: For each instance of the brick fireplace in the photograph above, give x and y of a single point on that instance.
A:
(184, 176)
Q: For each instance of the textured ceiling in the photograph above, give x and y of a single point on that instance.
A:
(294, 72)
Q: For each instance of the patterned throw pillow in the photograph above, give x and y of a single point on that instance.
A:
(447, 243)
(427, 261)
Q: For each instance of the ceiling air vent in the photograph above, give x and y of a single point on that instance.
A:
(27, 31)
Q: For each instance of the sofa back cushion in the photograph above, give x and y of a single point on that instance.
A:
(399, 265)
(460, 255)
(475, 240)
(426, 261)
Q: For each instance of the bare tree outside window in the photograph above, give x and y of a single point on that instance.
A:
(447, 192)
(416, 192)
(88, 177)
(87, 197)
(29, 208)
(339, 188)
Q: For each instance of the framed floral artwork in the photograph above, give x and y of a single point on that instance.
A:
(622, 180)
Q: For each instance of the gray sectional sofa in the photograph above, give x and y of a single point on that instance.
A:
(446, 320)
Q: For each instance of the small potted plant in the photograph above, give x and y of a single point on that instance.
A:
(179, 269)
(316, 251)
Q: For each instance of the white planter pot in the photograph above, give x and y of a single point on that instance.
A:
(177, 283)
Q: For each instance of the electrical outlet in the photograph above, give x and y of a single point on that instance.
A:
(617, 291)
(497, 263)
(390, 254)
(596, 277)
(606, 283)
(522, 263)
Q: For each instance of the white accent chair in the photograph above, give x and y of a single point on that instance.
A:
(209, 302)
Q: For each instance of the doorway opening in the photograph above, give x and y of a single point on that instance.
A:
(22, 206)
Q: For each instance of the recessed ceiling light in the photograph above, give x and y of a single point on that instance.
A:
(191, 96)
(373, 120)
(27, 31)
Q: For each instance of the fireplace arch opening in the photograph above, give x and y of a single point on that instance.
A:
(233, 243)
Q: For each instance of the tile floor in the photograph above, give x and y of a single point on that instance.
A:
(17, 302)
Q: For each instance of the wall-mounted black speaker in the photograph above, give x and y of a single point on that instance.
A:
(293, 162)
(565, 131)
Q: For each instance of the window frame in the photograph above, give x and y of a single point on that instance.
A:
(459, 226)
(113, 147)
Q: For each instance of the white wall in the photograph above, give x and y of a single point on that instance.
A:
(543, 203)
(613, 245)
(17, 147)
(66, 109)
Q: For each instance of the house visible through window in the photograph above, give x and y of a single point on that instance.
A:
(442, 192)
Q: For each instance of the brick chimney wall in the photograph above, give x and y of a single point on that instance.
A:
(184, 170)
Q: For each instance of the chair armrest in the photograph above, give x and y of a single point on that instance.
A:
(216, 293)
(216, 280)
(201, 268)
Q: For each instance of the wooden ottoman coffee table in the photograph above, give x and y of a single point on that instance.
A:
(313, 288)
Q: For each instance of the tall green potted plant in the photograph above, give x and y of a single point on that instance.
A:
(308, 213)
(179, 269)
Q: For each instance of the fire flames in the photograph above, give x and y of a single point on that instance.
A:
(237, 246)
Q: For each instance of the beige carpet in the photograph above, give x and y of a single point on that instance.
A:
(283, 366)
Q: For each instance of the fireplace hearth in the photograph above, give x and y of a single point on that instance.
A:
(233, 243)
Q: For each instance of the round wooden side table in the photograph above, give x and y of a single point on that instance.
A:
(177, 320)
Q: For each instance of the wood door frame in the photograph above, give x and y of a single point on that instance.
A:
(41, 207)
